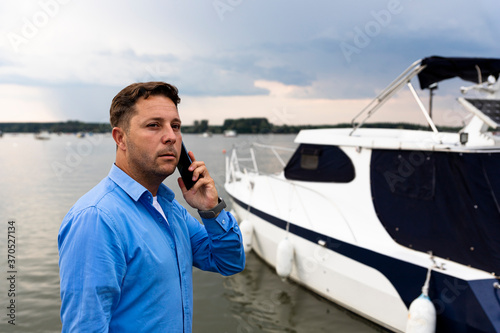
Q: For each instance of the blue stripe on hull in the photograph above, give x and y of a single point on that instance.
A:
(462, 306)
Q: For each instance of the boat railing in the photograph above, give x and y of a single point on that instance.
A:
(235, 171)
(237, 164)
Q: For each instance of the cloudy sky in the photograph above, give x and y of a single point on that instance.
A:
(294, 62)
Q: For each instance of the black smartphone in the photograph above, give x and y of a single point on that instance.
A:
(183, 165)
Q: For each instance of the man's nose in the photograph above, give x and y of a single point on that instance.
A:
(169, 135)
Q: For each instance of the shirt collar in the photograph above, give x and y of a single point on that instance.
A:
(133, 188)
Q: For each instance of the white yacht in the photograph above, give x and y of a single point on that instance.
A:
(42, 135)
(230, 133)
(378, 220)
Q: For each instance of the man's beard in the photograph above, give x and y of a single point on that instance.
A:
(147, 165)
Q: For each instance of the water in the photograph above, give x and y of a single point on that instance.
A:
(41, 180)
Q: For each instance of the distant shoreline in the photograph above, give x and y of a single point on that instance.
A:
(240, 126)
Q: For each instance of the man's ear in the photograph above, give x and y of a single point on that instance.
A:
(119, 137)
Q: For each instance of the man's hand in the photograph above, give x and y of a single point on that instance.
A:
(203, 195)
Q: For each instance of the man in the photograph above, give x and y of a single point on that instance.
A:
(127, 247)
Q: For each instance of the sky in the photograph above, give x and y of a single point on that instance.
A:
(294, 62)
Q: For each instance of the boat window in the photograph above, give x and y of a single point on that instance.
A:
(320, 163)
(309, 158)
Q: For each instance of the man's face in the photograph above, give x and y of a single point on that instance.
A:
(154, 137)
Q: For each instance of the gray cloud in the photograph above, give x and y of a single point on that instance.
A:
(338, 50)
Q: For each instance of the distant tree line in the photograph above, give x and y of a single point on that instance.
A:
(262, 126)
(71, 126)
(240, 125)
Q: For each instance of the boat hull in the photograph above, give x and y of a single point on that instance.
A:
(371, 284)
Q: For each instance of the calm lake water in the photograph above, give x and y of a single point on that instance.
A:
(42, 179)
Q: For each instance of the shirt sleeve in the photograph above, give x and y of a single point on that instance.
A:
(217, 244)
(91, 266)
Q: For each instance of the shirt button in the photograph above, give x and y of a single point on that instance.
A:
(223, 221)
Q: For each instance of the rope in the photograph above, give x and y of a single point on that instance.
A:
(425, 288)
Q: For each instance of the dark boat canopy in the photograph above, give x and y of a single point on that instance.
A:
(442, 202)
(439, 68)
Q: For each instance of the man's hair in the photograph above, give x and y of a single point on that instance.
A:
(123, 105)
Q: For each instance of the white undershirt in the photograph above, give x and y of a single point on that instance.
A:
(158, 208)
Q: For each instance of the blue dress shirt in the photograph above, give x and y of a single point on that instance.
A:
(123, 268)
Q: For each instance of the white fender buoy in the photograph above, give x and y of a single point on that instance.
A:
(284, 258)
(421, 316)
(246, 228)
(422, 313)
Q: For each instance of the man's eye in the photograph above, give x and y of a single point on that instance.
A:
(153, 125)
(176, 126)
